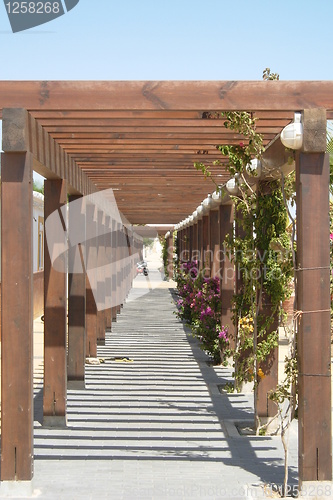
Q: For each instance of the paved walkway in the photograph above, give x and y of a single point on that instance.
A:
(156, 427)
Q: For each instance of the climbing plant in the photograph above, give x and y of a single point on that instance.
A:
(261, 249)
(164, 244)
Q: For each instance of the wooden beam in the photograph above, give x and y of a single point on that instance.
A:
(167, 95)
(16, 318)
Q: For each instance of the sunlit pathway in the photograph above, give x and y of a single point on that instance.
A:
(155, 426)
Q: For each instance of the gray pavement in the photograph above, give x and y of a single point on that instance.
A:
(156, 427)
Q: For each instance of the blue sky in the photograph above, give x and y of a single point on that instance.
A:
(174, 40)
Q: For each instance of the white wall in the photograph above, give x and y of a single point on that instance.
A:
(38, 218)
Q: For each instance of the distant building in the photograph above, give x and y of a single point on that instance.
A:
(38, 232)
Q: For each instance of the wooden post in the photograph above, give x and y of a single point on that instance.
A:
(214, 236)
(227, 271)
(170, 255)
(187, 255)
(76, 299)
(108, 277)
(314, 336)
(114, 277)
(180, 237)
(128, 253)
(265, 408)
(16, 318)
(190, 241)
(55, 318)
(119, 256)
(206, 245)
(100, 279)
(195, 250)
(200, 244)
(239, 289)
(91, 264)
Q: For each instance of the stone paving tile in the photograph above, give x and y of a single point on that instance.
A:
(153, 428)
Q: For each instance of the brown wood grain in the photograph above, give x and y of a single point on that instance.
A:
(16, 318)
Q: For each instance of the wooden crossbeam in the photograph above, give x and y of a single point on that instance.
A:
(167, 95)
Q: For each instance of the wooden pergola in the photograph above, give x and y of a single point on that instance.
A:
(141, 139)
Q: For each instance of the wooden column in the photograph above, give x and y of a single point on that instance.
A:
(108, 277)
(91, 283)
(180, 245)
(314, 336)
(184, 245)
(100, 279)
(265, 408)
(119, 253)
(114, 277)
(186, 239)
(214, 238)
(128, 252)
(170, 255)
(16, 318)
(190, 241)
(76, 298)
(55, 317)
(227, 270)
(239, 290)
(200, 244)
(195, 250)
(124, 255)
(206, 245)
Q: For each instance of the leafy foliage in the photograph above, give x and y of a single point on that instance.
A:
(268, 75)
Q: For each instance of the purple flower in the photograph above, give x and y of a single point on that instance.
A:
(223, 333)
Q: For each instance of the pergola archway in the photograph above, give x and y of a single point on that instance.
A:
(141, 139)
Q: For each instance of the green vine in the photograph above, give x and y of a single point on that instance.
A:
(262, 254)
(164, 243)
(238, 156)
(261, 249)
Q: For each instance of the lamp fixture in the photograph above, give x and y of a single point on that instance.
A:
(254, 168)
(217, 196)
(200, 211)
(292, 135)
(208, 202)
(232, 186)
